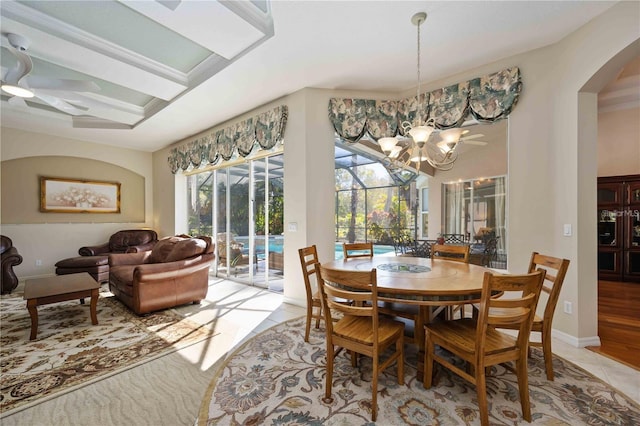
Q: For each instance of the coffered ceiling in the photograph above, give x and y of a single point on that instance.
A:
(170, 69)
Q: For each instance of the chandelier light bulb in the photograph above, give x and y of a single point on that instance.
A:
(395, 152)
(451, 135)
(387, 144)
(420, 134)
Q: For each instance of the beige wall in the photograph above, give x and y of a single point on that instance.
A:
(619, 142)
(21, 189)
(49, 242)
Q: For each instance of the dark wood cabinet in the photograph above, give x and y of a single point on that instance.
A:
(619, 228)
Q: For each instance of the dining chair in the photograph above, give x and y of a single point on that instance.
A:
(351, 250)
(457, 253)
(555, 269)
(358, 328)
(308, 259)
(481, 344)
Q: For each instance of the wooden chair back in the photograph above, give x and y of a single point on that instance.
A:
(458, 253)
(480, 342)
(356, 327)
(308, 259)
(351, 250)
(555, 269)
(357, 286)
(515, 312)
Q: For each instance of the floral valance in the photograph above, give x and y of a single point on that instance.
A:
(264, 130)
(487, 99)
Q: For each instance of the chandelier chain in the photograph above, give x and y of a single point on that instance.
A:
(418, 90)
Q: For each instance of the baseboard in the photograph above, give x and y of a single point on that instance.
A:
(296, 302)
(578, 342)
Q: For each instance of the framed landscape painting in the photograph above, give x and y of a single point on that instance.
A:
(61, 195)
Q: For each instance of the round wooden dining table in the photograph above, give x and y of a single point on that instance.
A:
(428, 283)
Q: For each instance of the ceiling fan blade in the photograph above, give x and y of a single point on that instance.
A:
(18, 102)
(37, 82)
(23, 67)
(473, 142)
(61, 104)
(474, 136)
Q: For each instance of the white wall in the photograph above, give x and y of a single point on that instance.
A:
(51, 242)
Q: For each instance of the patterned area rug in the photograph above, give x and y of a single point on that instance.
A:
(70, 352)
(276, 378)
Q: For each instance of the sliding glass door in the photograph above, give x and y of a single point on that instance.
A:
(242, 205)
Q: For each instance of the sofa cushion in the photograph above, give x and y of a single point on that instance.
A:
(171, 249)
(162, 249)
(122, 240)
(186, 248)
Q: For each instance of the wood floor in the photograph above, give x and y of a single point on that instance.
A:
(619, 321)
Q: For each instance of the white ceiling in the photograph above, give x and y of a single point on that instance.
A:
(170, 69)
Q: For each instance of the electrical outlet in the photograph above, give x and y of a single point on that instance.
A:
(38, 262)
(568, 307)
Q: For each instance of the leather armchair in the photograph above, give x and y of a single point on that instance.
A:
(174, 273)
(127, 241)
(10, 258)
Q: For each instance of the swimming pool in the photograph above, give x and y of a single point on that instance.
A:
(276, 245)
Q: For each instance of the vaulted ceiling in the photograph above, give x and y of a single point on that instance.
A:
(172, 68)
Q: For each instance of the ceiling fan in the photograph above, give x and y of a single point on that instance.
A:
(446, 145)
(61, 94)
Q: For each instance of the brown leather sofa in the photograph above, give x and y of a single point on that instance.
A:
(127, 241)
(174, 273)
(95, 259)
(10, 258)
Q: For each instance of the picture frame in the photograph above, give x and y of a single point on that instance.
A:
(63, 195)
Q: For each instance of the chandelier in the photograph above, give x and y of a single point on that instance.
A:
(437, 147)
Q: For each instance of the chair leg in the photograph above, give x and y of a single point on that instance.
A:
(523, 387)
(330, 355)
(319, 317)
(481, 389)
(428, 364)
(548, 356)
(308, 326)
(400, 360)
(374, 387)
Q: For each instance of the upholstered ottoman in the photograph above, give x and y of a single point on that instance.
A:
(96, 266)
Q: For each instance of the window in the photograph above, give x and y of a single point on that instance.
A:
(372, 204)
(477, 208)
(425, 212)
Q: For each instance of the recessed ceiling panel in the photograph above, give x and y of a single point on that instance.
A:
(209, 23)
(125, 27)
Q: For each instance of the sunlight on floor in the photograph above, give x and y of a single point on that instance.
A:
(235, 313)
